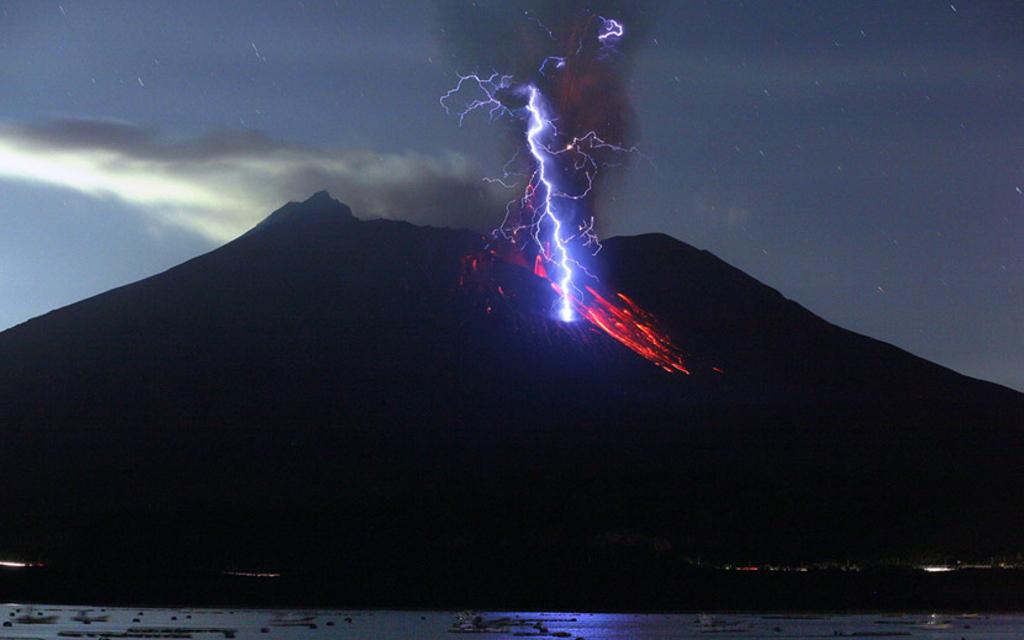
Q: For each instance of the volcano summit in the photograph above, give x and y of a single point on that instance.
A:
(369, 403)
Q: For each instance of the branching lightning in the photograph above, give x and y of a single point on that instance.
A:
(490, 87)
(555, 159)
(552, 217)
(538, 124)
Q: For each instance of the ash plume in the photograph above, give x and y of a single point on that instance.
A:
(588, 90)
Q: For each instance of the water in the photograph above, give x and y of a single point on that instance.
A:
(266, 624)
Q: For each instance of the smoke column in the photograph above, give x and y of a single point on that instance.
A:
(587, 94)
(574, 110)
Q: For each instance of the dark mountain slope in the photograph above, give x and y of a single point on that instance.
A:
(320, 395)
(304, 315)
(768, 342)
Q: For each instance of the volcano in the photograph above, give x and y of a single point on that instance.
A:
(327, 396)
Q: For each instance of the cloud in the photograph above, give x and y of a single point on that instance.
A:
(220, 185)
(588, 88)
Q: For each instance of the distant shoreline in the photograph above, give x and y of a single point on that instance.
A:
(793, 594)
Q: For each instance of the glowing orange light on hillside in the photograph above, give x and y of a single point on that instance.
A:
(632, 326)
(618, 316)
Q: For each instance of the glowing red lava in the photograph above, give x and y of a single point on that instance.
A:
(627, 322)
(616, 315)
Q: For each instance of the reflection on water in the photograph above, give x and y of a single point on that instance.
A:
(47, 621)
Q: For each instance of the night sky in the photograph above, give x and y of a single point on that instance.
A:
(864, 158)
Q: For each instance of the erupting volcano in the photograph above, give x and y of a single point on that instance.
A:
(397, 392)
(473, 385)
(553, 219)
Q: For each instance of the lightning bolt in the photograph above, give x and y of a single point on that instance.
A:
(559, 169)
(537, 214)
(538, 125)
(610, 29)
(489, 86)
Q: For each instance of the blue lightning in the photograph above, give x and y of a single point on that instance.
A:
(559, 169)
(610, 30)
(490, 87)
(538, 124)
(552, 227)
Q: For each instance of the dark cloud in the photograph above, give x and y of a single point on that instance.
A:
(144, 142)
(515, 37)
(589, 93)
(78, 133)
(587, 90)
(222, 183)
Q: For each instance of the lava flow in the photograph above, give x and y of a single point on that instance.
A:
(615, 315)
(626, 322)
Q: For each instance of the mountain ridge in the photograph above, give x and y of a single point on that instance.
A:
(321, 207)
(326, 388)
